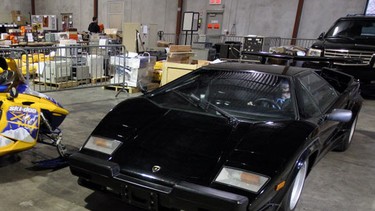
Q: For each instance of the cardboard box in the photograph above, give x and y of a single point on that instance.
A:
(200, 63)
(111, 33)
(180, 57)
(179, 48)
(172, 71)
(163, 43)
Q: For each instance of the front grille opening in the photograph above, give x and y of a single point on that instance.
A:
(364, 55)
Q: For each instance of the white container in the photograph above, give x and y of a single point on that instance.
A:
(56, 71)
(95, 63)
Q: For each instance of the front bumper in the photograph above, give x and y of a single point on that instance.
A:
(104, 175)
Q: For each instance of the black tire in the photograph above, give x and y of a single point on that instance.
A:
(294, 193)
(348, 137)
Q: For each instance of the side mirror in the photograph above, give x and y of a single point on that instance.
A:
(340, 115)
(321, 36)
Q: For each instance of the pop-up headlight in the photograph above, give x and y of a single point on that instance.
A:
(104, 145)
(241, 179)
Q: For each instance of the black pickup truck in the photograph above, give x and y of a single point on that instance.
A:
(351, 37)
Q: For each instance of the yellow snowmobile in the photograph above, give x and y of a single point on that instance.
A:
(26, 116)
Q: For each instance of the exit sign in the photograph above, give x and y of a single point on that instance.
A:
(215, 1)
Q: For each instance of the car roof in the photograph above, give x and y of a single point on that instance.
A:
(357, 17)
(267, 68)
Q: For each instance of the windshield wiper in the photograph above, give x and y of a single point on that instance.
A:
(232, 119)
(194, 100)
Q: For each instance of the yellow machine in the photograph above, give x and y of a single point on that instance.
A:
(27, 116)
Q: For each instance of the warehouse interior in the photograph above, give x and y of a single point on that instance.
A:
(240, 17)
(160, 41)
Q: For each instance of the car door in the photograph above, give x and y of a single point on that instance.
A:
(317, 98)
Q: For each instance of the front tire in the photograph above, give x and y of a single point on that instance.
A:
(348, 137)
(294, 193)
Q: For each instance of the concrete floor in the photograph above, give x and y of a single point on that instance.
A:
(341, 181)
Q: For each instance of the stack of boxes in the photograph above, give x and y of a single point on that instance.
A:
(179, 62)
(136, 69)
(180, 54)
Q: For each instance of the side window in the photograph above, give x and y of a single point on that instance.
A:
(368, 30)
(321, 91)
(307, 106)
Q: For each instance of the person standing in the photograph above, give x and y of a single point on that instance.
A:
(94, 27)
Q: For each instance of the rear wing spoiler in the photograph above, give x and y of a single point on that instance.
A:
(329, 62)
(336, 78)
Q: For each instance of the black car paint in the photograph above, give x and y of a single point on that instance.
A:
(341, 43)
(247, 147)
(251, 152)
(365, 73)
(206, 141)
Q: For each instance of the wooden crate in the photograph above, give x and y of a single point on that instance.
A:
(172, 70)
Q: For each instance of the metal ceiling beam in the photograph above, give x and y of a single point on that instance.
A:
(33, 7)
(297, 21)
(179, 19)
(96, 8)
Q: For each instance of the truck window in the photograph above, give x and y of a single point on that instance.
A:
(368, 29)
(352, 28)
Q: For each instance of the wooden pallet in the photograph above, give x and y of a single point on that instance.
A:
(59, 85)
(117, 88)
(99, 79)
(83, 81)
(64, 84)
(131, 90)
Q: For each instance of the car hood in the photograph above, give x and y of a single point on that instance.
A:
(169, 146)
(336, 43)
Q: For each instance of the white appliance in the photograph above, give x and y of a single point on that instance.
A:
(80, 72)
(95, 64)
(55, 71)
(135, 69)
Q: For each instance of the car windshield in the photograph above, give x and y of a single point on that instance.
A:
(353, 29)
(247, 95)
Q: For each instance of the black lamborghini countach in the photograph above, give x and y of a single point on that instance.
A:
(229, 136)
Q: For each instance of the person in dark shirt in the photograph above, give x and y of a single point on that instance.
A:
(94, 27)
